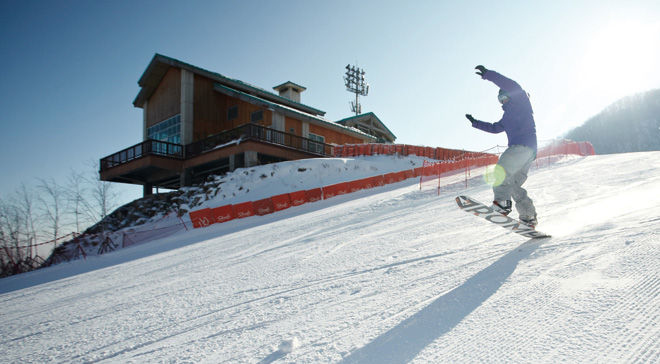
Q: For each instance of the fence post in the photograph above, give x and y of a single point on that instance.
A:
(180, 219)
(107, 245)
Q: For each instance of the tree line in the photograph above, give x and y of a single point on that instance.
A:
(631, 124)
(33, 218)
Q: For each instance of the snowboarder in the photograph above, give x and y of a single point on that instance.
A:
(520, 128)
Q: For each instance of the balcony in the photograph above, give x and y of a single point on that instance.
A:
(256, 132)
(156, 163)
(149, 147)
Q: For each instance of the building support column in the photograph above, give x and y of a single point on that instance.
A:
(145, 132)
(305, 134)
(250, 158)
(232, 162)
(305, 129)
(187, 86)
(147, 189)
(185, 177)
(278, 122)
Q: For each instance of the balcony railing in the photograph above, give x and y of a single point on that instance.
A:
(145, 148)
(257, 132)
(242, 133)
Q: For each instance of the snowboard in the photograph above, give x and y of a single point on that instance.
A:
(470, 205)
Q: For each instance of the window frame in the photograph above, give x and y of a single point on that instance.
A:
(168, 130)
(231, 114)
(316, 147)
(258, 112)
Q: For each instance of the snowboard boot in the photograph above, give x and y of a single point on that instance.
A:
(503, 207)
(530, 221)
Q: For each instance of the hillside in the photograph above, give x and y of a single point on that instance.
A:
(144, 218)
(631, 124)
(386, 275)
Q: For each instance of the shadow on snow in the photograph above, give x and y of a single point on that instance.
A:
(404, 342)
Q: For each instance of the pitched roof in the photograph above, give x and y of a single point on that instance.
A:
(378, 128)
(160, 64)
(291, 84)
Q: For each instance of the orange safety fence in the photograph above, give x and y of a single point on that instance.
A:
(456, 159)
(566, 147)
(357, 150)
(448, 160)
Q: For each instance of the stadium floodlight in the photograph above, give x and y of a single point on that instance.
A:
(356, 83)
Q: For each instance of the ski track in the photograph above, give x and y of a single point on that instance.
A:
(393, 273)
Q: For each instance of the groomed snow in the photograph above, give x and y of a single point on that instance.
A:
(386, 275)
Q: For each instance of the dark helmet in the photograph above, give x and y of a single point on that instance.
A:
(503, 97)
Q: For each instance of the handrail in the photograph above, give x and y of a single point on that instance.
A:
(260, 133)
(238, 134)
(139, 150)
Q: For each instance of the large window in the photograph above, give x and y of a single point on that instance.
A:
(316, 147)
(166, 131)
(232, 113)
(257, 116)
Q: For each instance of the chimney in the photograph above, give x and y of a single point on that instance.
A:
(290, 91)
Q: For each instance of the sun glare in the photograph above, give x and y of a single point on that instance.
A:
(494, 175)
(620, 56)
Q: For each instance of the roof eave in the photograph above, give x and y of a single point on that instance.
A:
(369, 115)
(160, 64)
(314, 119)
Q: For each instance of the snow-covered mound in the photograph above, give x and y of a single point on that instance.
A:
(256, 183)
(155, 216)
(386, 275)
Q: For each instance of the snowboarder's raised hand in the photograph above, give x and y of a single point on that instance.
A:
(482, 70)
(469, 117)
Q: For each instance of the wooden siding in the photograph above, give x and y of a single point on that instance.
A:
(207, 114)
(291, 123)
(335, 137)
(245, 109)
(210, 111)
(166, 100)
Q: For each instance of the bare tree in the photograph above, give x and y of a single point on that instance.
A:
(11, 238)
(53, 205)
(25, 206)
(102, 198)
(75, 195)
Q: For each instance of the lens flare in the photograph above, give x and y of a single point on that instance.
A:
(494, 175)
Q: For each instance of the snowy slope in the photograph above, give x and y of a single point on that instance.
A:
(387, 275)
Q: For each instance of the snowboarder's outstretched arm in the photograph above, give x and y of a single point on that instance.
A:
(518, 119)
(501, 81)
(512, 90)
(494, 128)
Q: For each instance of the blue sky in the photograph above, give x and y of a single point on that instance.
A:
(70, 68)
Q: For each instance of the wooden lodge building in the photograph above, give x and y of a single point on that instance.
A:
(197, 122)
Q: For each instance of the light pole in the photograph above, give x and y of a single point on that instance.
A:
(355, 82)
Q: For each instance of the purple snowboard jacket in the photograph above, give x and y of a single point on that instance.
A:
(518, 119)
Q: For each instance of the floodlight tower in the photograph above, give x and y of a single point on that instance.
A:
(355, 83)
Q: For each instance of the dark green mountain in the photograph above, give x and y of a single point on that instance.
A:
(631, 124)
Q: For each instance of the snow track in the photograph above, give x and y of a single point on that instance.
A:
(389, 275)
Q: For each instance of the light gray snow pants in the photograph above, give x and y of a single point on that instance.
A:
(516, 161)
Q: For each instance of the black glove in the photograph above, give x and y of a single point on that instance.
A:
(482, 70)
(469, 117)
